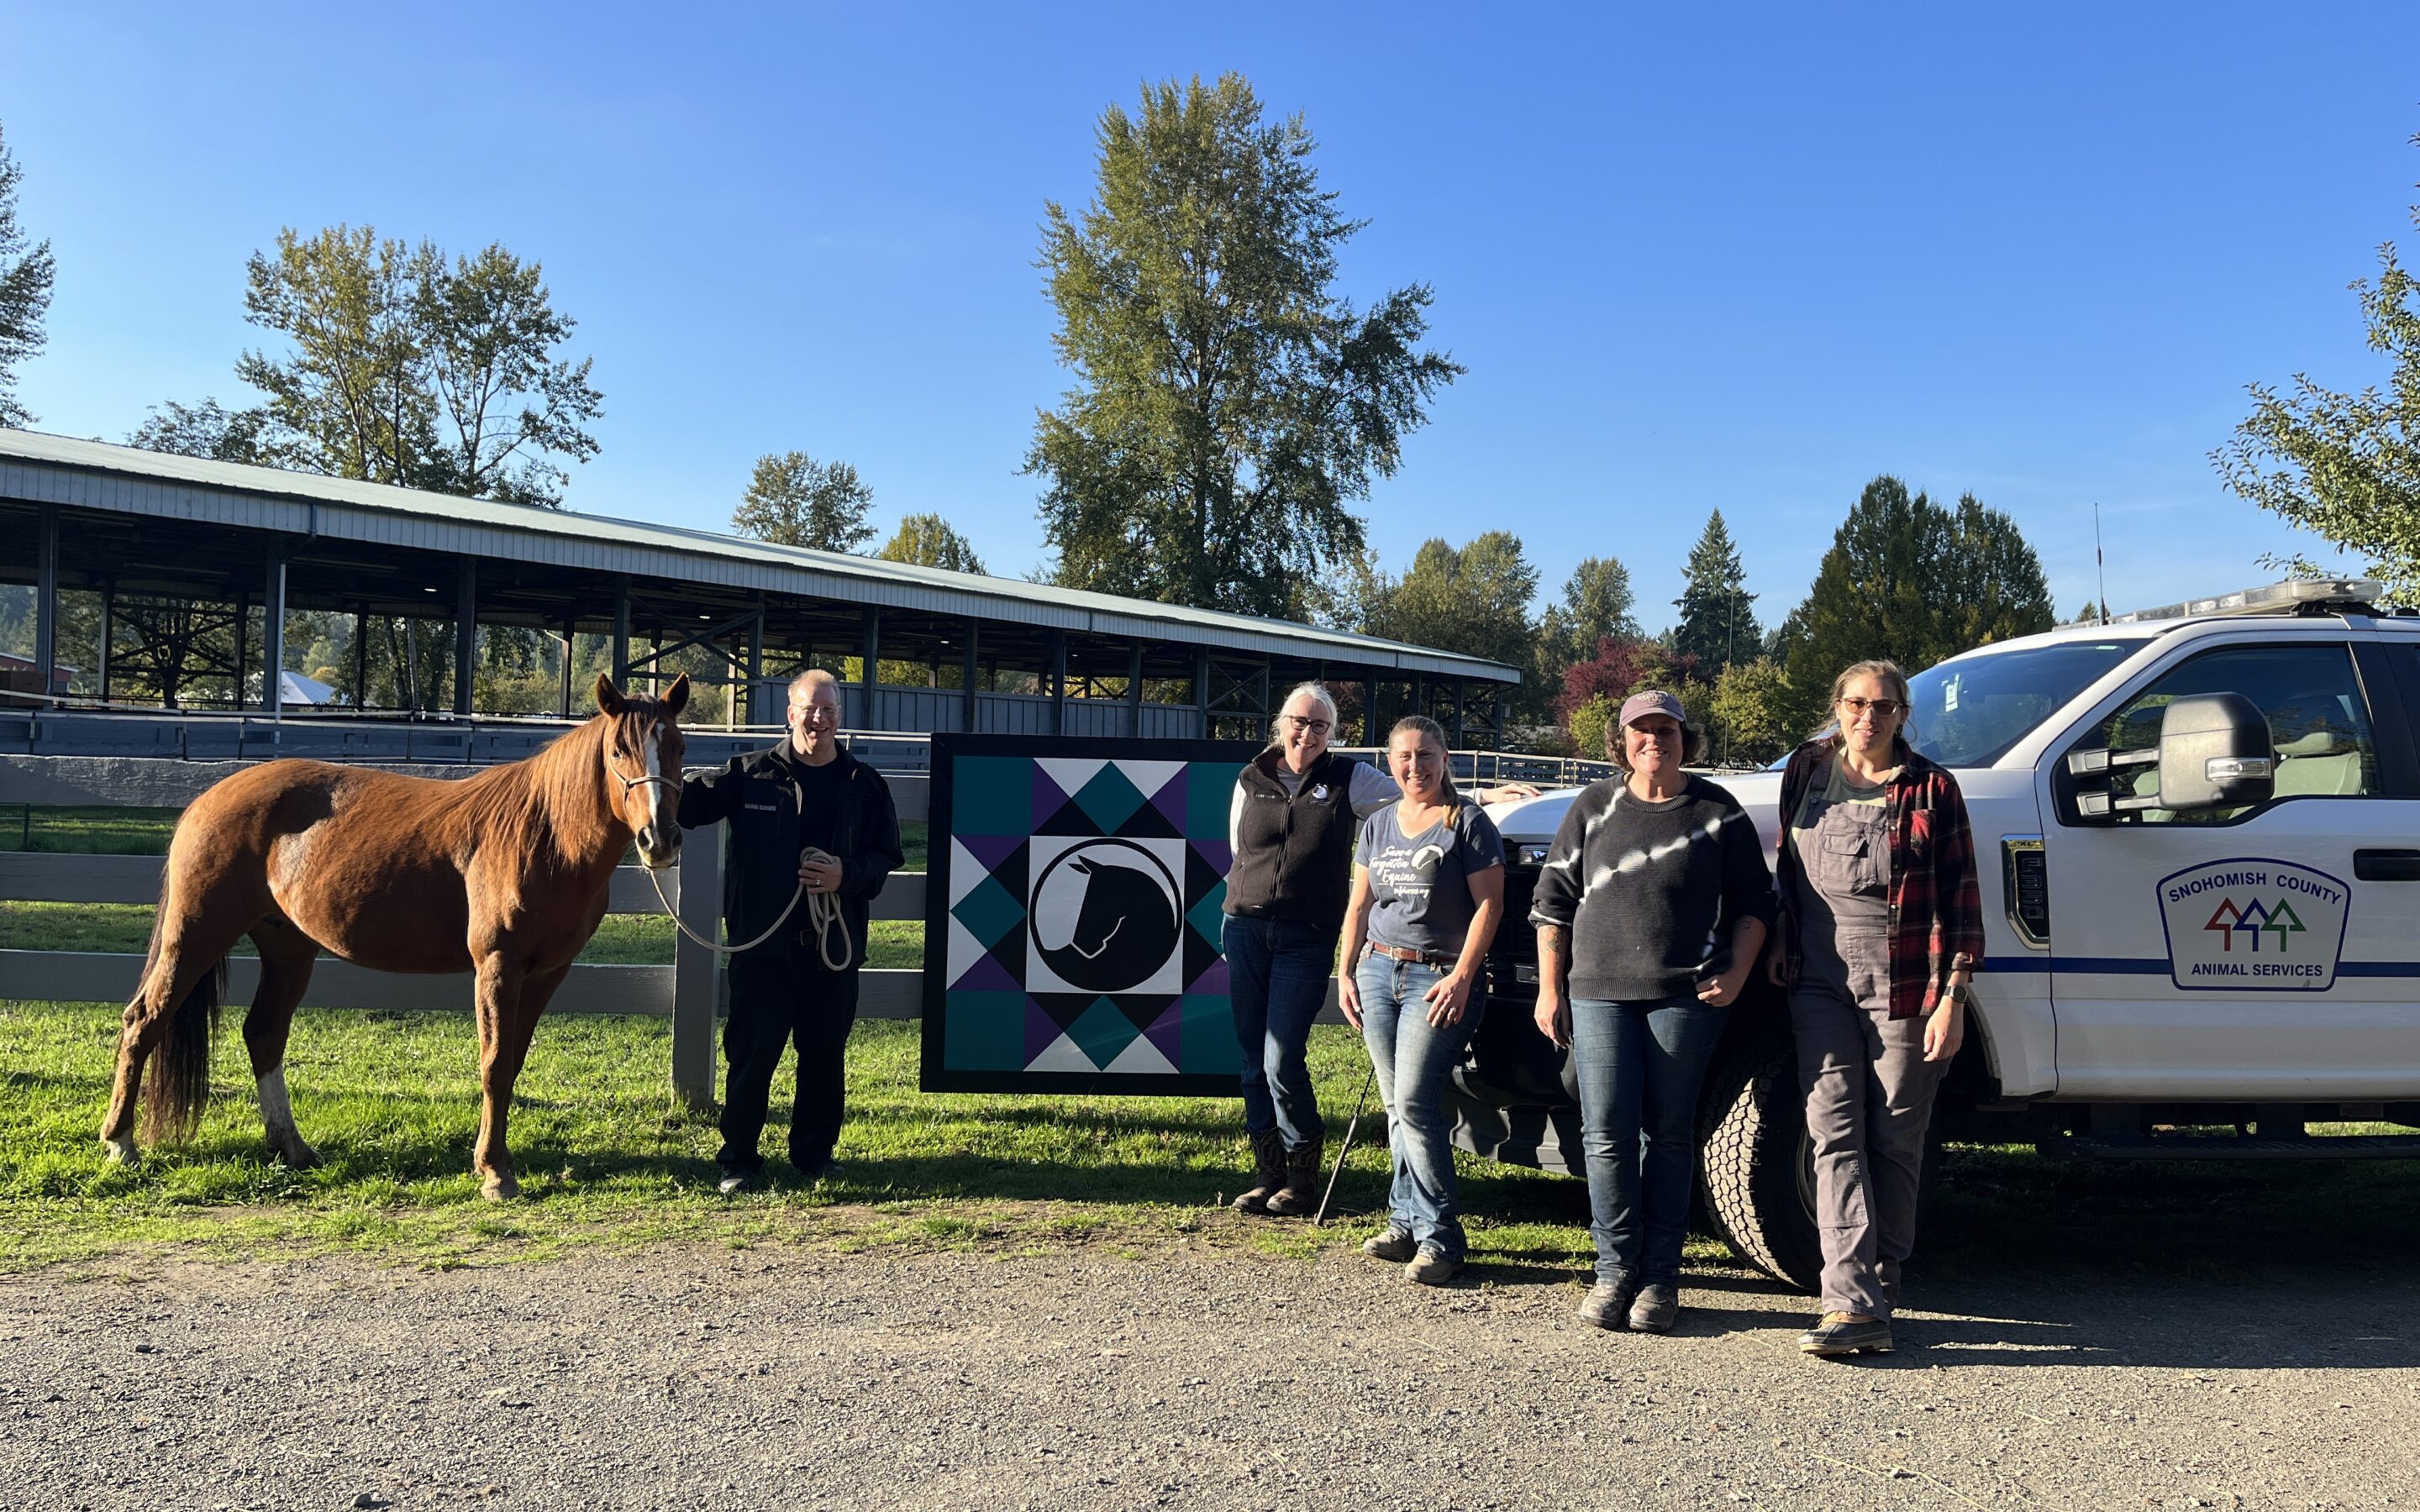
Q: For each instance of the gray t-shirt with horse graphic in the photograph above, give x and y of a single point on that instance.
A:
(1419, 884)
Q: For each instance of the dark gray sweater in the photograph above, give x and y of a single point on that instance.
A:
(1650, 891)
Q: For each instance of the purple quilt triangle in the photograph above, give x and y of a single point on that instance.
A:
(1047, 797)
(987, 976)
(1166, 1033)
(1212, 982)
(990, 849)
(1215, 852)
(1041, 1030)
(1170, 800)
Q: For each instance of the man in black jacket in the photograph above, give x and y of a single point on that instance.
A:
(803, 813)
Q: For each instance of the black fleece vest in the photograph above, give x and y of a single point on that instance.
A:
(1294, 855)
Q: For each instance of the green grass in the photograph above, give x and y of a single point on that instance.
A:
(93, 831)
(391, 1101)
(86, 831)
(621, 939)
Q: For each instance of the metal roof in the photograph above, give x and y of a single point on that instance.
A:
(57, 470)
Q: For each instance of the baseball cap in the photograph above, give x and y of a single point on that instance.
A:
(1652, 701)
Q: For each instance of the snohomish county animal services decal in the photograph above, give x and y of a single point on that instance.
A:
(2251, 924)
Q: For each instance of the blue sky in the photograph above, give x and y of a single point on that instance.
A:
(1735, 258)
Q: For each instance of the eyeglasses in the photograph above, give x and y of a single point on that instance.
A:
(1885, 707)
(1317, 727)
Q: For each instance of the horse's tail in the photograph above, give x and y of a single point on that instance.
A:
(179, 1087)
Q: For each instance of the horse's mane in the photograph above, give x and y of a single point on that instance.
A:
(552, 802)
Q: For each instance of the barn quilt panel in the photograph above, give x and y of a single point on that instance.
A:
(1073, 914)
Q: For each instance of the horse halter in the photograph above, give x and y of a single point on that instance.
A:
(643, 778)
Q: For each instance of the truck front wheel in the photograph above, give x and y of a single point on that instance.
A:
(1756, 1170)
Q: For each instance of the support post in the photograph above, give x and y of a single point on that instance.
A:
(272, 630)
(870, 642)
(622, 633)
(242, 644)
(570, 640)
(466, 631)
(974, 645)
(1202, 686)
(759, 707)
(1058, 682)
(361, 657)
(46, 597)
(1459, 692)
(697, 977)
(108, 625)
(1134, 691)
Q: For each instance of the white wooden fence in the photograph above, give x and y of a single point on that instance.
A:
(688, 992)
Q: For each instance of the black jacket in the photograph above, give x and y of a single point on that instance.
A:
(759, 793)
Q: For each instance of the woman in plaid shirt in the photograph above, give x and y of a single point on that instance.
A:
(1881, 930)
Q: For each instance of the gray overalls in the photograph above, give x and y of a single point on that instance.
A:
(1867, 1087)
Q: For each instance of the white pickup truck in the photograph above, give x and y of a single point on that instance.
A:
(2197, 831)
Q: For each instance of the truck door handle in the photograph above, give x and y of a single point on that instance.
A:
(2386, 866)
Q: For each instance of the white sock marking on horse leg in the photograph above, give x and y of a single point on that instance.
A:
(275, 1112)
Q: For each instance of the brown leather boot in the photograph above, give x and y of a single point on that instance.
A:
(1268, 1173)
(1299, 1197)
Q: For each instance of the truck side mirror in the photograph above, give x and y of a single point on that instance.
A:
(2214, 753)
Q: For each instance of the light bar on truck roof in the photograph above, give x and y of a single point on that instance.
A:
(2310, 595)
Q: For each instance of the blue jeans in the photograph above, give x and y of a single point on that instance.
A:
(1640, 1065)
(1277, 981)
(1415, 1061)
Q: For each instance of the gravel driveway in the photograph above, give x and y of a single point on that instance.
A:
(1191, 1377)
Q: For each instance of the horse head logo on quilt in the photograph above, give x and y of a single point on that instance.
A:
(1104, 916)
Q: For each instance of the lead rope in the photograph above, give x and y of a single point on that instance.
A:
(823, 917)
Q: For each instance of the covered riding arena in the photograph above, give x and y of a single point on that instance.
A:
(125, 549)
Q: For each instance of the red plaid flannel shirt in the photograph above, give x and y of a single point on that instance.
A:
(1936, 906)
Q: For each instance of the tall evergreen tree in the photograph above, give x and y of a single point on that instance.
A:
(1910, 580)
(25, 270)
(1717, 623)
(1227, 403)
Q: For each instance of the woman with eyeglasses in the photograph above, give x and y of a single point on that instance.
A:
(1651, 909)
(1291, 825)
(1881, 929)
(1428, 891)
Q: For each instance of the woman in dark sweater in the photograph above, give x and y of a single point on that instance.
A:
(1650, 910)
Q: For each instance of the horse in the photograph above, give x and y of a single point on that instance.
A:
(1125, 919)
(504, 874)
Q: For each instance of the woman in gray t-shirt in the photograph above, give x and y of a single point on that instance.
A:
(1428, 891)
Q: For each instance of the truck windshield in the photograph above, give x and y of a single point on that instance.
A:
(1969, 712)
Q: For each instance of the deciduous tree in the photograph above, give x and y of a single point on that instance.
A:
(25, 270)
(405, 367)
(2347, 466)
(928, 541)
(794, 500)
(208, 429)
(1227, 403)
(1473, 601)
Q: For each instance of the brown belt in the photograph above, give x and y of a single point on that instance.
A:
(1418, 958)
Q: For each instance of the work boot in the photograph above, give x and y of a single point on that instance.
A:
(1658, 1304)
(1841, 1334)
(1299, 1197)
(1608, 1305)
(1394, 1246)
(1268, 1173)
(1432, 1268)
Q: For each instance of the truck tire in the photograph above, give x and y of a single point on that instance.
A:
(1753, 1162)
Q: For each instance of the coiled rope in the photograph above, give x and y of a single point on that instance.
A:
(823, 917)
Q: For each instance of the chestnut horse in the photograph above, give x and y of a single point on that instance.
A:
(504, 874)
